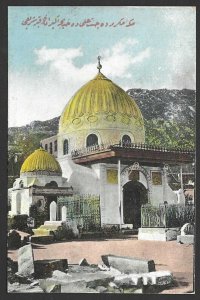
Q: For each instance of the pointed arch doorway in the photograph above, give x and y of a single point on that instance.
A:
(134, 195)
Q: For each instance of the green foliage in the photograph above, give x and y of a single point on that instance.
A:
(169, 134)
(22, 147)
(177, 216)
(18, 222)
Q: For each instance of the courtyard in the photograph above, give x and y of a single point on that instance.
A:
(172, 256)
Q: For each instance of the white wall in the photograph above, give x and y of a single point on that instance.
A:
(25, 199)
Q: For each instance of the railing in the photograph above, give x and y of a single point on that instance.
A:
(102, 147)
(167, 215)
(85, 209)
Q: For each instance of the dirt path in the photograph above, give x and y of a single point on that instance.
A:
(170, 256)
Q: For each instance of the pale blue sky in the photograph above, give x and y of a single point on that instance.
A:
(48, 65)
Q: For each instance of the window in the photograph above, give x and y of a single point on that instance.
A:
(21, 185)
(126, 139)
(46, 147)
(92, 140)
(65, 147)
(55, 145)
(50, 150)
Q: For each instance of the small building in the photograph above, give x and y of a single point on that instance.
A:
(39, 184)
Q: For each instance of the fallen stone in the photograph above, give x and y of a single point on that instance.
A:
(34, 283)
(60, 275)
(26, 261)
(81, 269)
(92, 280)
(23, 279)
(157, 278)
(101, 289)
(83, 262)
(14, 240)
(103, 267)
(185, 239)
(45, 268)
(113, 272)
(128, 265)
(20, 288)
(128, 280)
(187, 229)
(77, 287)
(49, 287)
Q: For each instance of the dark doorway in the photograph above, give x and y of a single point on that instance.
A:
(134, 195)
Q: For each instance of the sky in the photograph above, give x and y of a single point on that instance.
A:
(140, 47)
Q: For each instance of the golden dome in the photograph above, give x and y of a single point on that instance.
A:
(99, 95)
(41, 160)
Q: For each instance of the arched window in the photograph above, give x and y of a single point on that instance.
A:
(46, 147)
(126, 139)
(65, 147)
(92, 140)
(50, 148)
(55, 146)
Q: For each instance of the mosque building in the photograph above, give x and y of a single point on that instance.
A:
(100, 150)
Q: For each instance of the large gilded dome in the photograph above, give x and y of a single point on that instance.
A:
(99, 113)
(99, 96)
(41, 160)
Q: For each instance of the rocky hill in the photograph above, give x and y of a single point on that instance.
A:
(169, 117)
(168, 105)
(177, 105)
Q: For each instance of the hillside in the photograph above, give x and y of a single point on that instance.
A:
(169, 117)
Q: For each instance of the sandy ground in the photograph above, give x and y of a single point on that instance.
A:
(177, 258)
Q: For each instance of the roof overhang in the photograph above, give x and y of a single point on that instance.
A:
(130, 155)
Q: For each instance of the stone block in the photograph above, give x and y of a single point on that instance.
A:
(83, 262)
(45, 268)
(14, 240)
(60, 275)
(42, 239)
(158, 234)
(187, 229)
(128, 280)
(26, 261)
(185, 239)
(49, 287)
(92, 280)
(128, 265)
(77, 287)
(157, 278)
(81, 269)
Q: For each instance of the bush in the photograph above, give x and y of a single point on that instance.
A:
(18, 222)
(177, 216)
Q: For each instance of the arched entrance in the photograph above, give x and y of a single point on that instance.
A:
(134, 195)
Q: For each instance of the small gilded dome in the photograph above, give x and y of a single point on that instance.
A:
(41, 160)
(99, 95)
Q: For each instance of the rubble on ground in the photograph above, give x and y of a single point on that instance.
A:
(116, 274)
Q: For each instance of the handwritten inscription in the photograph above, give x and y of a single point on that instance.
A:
(63, 23)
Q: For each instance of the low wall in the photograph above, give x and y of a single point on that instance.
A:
(158, 234)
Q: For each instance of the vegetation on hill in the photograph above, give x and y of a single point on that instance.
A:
(169, 117)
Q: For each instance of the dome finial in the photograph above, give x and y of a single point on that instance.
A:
(99, 64)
